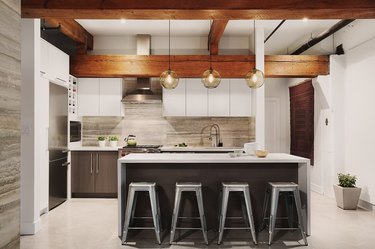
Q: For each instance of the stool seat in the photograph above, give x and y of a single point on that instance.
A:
(188, 187)
(142, 184)
(243, 188)
(283, 184)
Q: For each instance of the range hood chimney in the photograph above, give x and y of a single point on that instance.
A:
(142, 93)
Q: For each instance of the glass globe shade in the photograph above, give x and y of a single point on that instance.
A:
(211, 78)
(254, 78)
(169, 79)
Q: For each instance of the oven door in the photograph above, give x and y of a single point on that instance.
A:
(75, 131)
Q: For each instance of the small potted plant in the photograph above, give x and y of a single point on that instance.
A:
(113, 141)
(101, 141)
(346, 193)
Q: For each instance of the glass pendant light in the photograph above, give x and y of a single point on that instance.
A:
(169, 78)
(211, 78)
(254, 78)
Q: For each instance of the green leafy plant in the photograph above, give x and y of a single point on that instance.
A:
(347, 180)
(101, 138)
(113, 138)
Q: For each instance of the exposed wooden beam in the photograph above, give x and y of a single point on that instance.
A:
(74, 30)
(229, 66)
(199, 9)
(216, 31)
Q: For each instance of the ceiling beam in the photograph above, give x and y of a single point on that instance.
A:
(216, 31)
(229, 66)
(73, 30)
(199, 9)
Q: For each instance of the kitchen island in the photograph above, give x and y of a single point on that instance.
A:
(211, 169)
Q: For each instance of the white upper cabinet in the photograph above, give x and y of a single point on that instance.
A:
(99, 97)
(174, 100)
(54, 63)
(231, 98)
(44, 58)
(196, 98)
(240, 98)
(218, 100)
(110, 92)
(88, 97)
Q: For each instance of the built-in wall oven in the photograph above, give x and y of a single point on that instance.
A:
(75, 131)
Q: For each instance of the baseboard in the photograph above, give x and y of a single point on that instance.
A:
(316, 188)
(28, 228)
(365, 205)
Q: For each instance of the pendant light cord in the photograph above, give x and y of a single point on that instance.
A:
(209, 45)
(169, 45)
(254, 47)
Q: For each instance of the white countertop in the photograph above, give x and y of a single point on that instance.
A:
(95, 148)
(209, 158)
(198, 149)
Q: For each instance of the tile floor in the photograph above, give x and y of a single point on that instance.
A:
(92, 224)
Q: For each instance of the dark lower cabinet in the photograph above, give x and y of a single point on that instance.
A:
(94, 173)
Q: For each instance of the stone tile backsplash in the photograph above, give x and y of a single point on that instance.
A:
(146, 121)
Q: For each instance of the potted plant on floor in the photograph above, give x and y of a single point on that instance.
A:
(113, 141)
(346, 193)
(101, 141)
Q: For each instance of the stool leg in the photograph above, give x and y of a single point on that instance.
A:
(155, 215)
(250, 214)
(244, 210)
(176, 208)
(265, 207)
(300, 216)
(223, 214)
(274, 203)
(133, 209)
(201, 213)
(289, 209)
(128, 212)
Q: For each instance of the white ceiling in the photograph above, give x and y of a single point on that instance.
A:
(290, 35)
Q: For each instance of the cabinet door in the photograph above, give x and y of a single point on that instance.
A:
(44, 58)
(58, 63)
(106, 172)
(88, 97)
(110, 91)
(218, 99)
(82, 169)
(174, 100)
(240, 98)
(196, 98)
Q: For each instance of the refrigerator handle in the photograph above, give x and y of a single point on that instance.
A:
(97, 163)
(91, 163)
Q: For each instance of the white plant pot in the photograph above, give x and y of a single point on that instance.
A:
(347, 198)
(101, 143)
(113, 143)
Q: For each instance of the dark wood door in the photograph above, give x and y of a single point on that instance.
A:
(82, 172)
(106, 172)
(302, 120)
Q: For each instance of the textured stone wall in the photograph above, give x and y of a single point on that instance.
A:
(148, 124)
(10, 111)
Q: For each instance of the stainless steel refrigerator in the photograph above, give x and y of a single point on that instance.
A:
(58, 145)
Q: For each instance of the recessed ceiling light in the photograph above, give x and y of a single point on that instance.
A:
(123, 21)
(305, 19)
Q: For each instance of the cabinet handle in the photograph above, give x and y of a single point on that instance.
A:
(91, 163)
(61, 80)
(97, 163)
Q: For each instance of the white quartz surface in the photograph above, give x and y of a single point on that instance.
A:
(95, 148)
(209, 158)
(198, 149)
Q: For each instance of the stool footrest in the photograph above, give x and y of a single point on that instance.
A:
(192, 218)
(189, 228)
(139, 228)
(237, 228)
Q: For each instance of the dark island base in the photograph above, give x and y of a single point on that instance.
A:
(211, 176)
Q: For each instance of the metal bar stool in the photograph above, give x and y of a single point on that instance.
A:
(291, 190)
(191, 187)
(135, 187)
(243, 188)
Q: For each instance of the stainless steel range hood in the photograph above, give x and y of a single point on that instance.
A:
(142, 92)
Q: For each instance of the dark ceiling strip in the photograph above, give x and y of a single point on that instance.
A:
(322, 36)
(273, 31)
